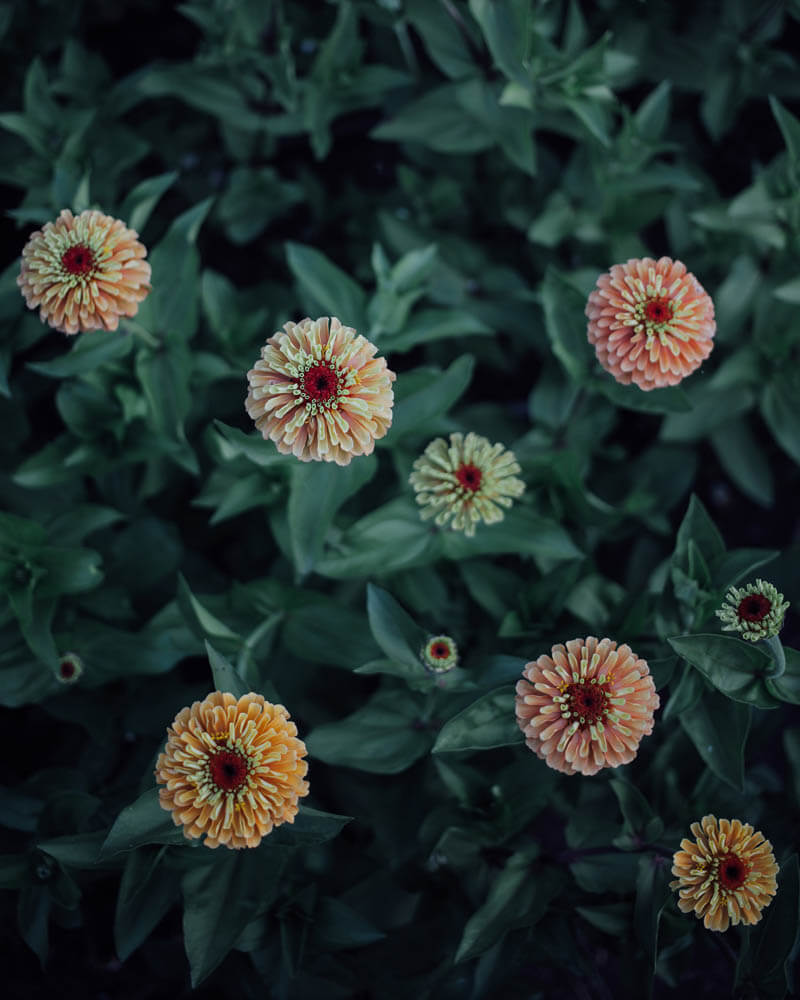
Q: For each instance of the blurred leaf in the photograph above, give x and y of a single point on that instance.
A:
(779, 409)
(789, 126)
(671, 399)
(310, 826)
(718, 728)
(565, 322)
(521, 532)
(330, 634)
(147, 892)
(338, 926)
(506, 26)
(142, 822)
(225, 676)
(330, 288)
(772, 943)
(652, 895)
(787, 686)
(143, 198)
(398, 635)
(428, 325)
(742, 456)
(414, 411)
(89, 351)
(488, 722)
(436, 120)
(33, 913)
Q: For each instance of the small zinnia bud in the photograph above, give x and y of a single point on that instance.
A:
(320, 393)
(464, 482)
(726, 875)
(233, 770)
(756, 611)
(70, 667)
(651, 322)
(586, 706)
(83, 272)
(440, 654)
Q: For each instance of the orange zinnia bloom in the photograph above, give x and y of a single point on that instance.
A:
(320, 393)
(232, 769)
(586, 706)
(83, 272)
(650, 322)
(726, 875)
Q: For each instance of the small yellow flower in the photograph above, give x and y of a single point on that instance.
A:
(232, 770)
(726, 875)
(464, 482)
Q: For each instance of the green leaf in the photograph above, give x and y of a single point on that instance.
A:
(635, 808)
(200, 620)
(718, 728)
(398, 635)
(652, 114)
(332, 290)
(436, 120)
(428, 325)
(253, 447)
(565, 322)
(521, 532)
(225, 676)
(789, 126)
(708, 411)
(310, 826)
(698, 527)
(506, 27)
(733, 666)
(316, 492)
(423, 405)
(519, 896)
(202, 88)
(652, 895)
(383, 737)
(221, 898)
(486, 723)
(671, 399)
(444, 44)
(773, 941)
(338, 926)
(140, 202)
(779, 409)
(76, 850)
(142, 822)
(787, 686)
(741, 455)
(89, 351)
(33, 914)
(329, 633)
(147, 892)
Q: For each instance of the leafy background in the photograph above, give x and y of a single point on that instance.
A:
(449, 177)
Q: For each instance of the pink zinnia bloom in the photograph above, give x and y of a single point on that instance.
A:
(320, 393)
(651, 322)
(83, 272)
(586, 706)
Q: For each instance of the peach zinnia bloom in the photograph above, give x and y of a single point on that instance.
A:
(651, 322)
(586, 706)
(232, 769)
(726, 875)
(83, 272)
(320, 393)
(466, 481)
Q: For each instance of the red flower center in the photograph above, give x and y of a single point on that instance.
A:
(78, 260)
(320, 383)
(469, 476)
(754, 608)
(732, 871)
(228, 770)
(587, 701)
(657, 311)
(440, 651)
(67, 669)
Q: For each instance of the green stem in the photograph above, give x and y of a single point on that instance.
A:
(776, 649)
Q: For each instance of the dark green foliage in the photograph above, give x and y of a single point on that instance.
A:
(448, 177)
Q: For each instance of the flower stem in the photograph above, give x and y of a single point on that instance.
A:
(776, 649)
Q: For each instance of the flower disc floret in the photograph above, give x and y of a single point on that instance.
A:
(440, 654)
(651, 322)
(84, 272)
(726, 875)
(586, 706)
(320, 393)
(466, 481)
(232, 769)
(756, 611)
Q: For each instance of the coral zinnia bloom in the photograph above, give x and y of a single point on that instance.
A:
(440, 654)
(651, 322)
(320, 393)
(726, 875)
(83, 272)
(756, 611)
(586, 706)
(467, 481)
(232, 769)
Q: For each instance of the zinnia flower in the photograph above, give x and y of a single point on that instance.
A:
(756, 611)
(467, 481)
(320, 393)
(232, 769)
(70, 667)
(440, 654)
(84, 272)
(586, 706)
(650, 322)
(727, 874)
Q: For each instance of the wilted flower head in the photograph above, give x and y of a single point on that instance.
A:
(467, 481)
(440, 654)
(586, 706)
(756, 611)
(651, 322)
(320, 393)
(83, 272)
(70, 667)
(232, 769)
(726, 875)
